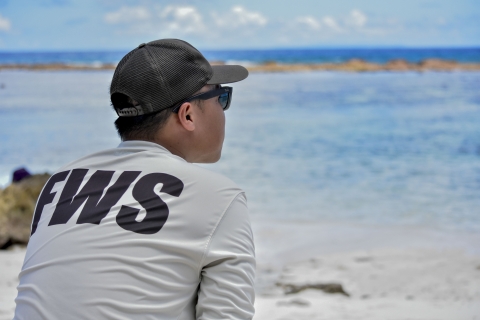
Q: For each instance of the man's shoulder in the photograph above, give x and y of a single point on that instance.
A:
(211, 177)
(154, 159)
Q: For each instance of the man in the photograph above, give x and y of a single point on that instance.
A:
(138, 232)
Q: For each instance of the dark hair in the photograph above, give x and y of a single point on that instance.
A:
(142, 127)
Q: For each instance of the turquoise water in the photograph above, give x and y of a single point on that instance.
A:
(383, 148)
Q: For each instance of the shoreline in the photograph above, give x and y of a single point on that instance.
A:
(352, 65)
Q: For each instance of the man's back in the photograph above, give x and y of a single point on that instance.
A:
(138, 233)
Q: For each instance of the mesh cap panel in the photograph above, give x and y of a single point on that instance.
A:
(138, 80)
(161, 73)
(184, 68)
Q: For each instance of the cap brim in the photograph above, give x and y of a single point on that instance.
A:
(227, 74)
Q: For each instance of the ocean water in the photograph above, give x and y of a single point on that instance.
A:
(379, 55)
(373, 148)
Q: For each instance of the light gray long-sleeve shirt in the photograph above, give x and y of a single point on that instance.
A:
(136, 232)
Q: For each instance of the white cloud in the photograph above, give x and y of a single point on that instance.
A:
(356, 18)
(325, 23)
(331, 23)
(354, 21)
(184, 19)
(240, 17)
(242, 25)
(310, 22)
(249, 17)
(5, 24)
(179, 20)
(127, 15)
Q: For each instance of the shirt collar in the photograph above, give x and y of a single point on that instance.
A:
(141, 145)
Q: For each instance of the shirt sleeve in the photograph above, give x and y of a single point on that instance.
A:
(227, 278)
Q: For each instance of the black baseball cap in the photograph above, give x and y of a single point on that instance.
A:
(162, 73)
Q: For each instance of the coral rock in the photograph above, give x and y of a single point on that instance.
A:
(17, 203)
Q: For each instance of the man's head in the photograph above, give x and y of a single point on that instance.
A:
(154, 92)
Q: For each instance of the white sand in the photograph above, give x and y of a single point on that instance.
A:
(10, 264)
(389, 272)
(383, 284)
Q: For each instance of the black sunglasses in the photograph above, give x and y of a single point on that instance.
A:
(224, 97)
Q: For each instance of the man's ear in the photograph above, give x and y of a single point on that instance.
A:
(186, 116)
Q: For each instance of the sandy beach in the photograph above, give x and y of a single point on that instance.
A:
(397, 272)
(388, 272)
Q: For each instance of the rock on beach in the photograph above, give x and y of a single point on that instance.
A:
(17, 204)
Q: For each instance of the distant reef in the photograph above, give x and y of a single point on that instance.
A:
(56, 66)
(353, 65)
(359, 65)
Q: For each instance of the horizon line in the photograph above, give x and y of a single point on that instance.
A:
(380, 47)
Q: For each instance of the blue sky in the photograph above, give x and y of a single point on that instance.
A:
(122, 24)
